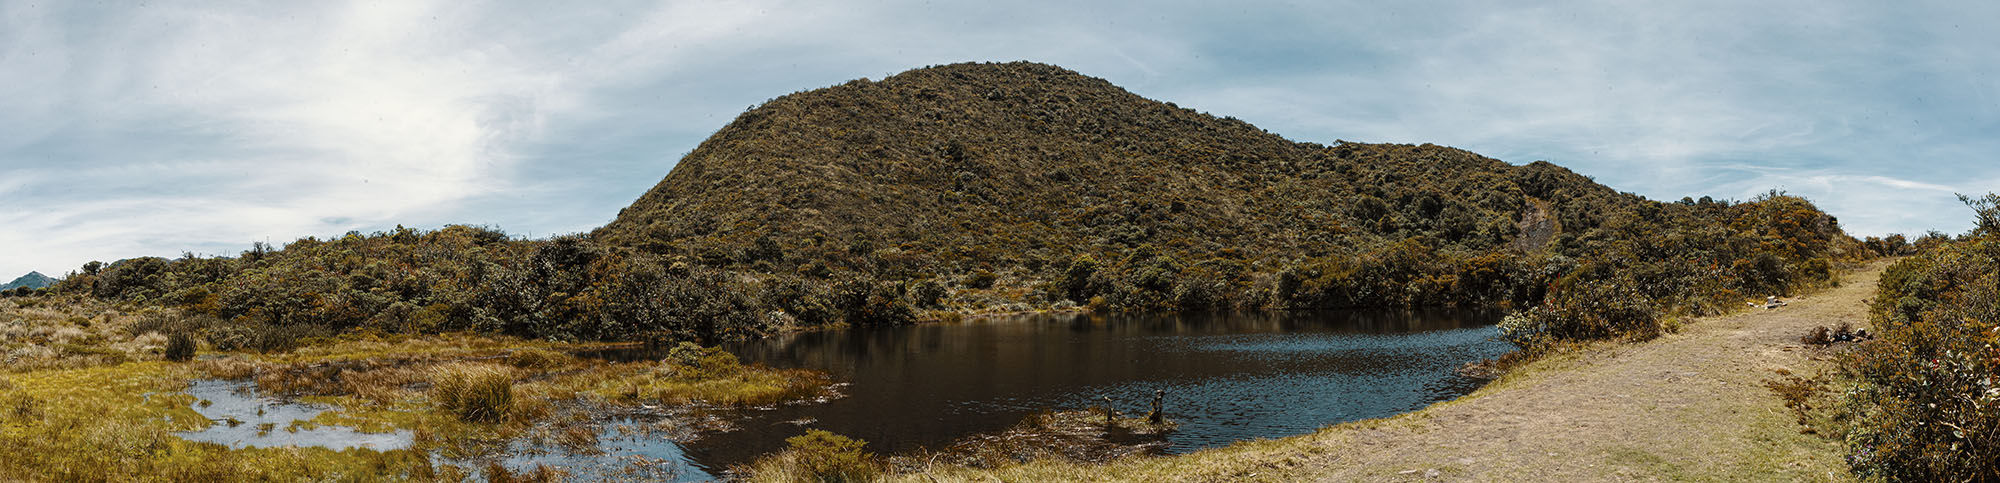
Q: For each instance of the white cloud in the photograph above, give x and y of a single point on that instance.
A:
(150, 130)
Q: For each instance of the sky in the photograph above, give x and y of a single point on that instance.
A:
(162, 128)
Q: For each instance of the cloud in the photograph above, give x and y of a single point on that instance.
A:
(156, 129)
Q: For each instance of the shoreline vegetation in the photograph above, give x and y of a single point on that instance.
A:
(940, 193)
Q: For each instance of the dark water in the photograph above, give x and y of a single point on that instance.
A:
(1228, 377)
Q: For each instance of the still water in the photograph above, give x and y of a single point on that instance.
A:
(1228, 377)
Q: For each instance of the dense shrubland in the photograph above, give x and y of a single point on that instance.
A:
(1924, 404)
(463, 278)
(1004, 187)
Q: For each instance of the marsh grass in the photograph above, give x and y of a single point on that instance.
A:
(70, 417)
(72, 332)
(474, 392)
(117, 424)
(535, 358)
(1077, 436)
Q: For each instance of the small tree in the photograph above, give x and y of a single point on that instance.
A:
(1988, 213)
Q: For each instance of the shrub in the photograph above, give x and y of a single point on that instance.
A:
(826, 457)
(1077, 280)
(180, 347)
(928, 293)
(474, 392)
(981, 279)
(1926, 403)
(1602, 310)
(694, 362)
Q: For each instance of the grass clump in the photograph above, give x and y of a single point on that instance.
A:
(535, 358)
(474, 392)
(818, 456)
(180, 347)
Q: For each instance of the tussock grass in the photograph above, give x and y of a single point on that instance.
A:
(72, 332)
(474, 392)
(535, 358)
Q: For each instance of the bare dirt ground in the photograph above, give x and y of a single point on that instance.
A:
(1687, 406)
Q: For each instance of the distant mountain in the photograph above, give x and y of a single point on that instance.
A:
(31, 280)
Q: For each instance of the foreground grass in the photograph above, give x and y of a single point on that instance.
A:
(117, 423)
(98, 412)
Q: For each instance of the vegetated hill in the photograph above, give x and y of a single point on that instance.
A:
(33, 280)
(999, 187)
(1002, 166)
(1020, 168)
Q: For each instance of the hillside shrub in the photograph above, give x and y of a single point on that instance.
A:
(1926, 402)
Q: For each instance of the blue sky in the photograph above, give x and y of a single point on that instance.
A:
(131, 129)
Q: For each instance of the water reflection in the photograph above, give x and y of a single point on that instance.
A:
(241, 419)
(1228, 377)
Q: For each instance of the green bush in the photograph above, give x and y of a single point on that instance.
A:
(1926, 400)
(827, 457)
(694, 362)
(1594, 311)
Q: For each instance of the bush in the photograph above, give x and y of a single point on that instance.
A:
(981, 279)
(180, 347)
(1595, 311)
(1926, 402)
(826, 457)
(928, 293)
(694, 362)
(474, 392)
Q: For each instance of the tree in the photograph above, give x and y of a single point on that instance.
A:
(1988, 210)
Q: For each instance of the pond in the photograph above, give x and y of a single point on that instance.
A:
(240, 418)
(1228, 377)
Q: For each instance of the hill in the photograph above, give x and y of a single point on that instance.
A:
(979, 188)
(33, 280)
(1037, 174)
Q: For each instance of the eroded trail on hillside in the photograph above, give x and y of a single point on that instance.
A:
(1689, 405)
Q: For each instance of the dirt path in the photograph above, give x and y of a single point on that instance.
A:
(1690, 405)
(1687, 406)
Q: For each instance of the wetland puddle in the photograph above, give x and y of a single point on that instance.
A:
(243, 419)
